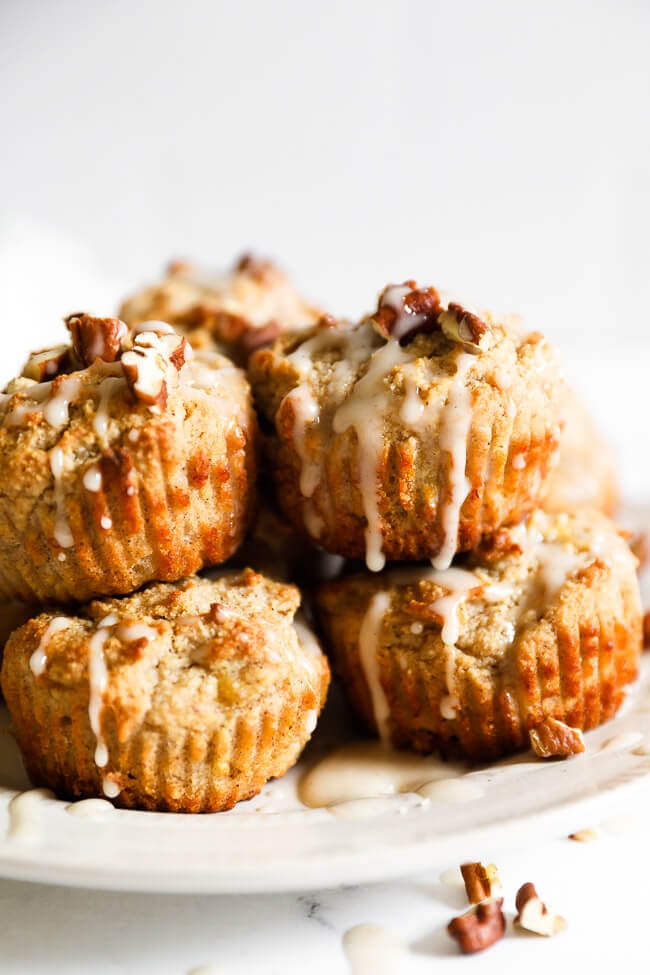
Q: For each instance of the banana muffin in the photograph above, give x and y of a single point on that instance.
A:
(411, 434)
(534, 635)
(124, 458)
(236, 311)
(184, 697)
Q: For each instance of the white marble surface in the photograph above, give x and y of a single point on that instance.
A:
(599, 887)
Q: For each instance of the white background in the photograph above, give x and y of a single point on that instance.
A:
(500, 150)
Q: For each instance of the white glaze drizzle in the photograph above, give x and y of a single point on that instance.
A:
(38, 660)
(24, 815)
(365, 412)
(129, 632)
(108, 388)
(373, 950)
(369, 770)
(459, 583)
(369, 635)
(56, 409)
(62, 531)
(92, 479)
(97, 680)
(90, 808)
(454, 431)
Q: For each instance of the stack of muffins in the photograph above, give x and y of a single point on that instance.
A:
(498, 609)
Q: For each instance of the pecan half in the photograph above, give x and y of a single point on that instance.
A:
(479, 928)
(96, 338)
(461, 325)
(533, 915)
(481, 883)
(404, 310)
(555, 739)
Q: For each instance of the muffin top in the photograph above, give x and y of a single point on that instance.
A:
(249, 305)
(416, 368)
(399, 360)
(109, 381)
(482, 604)
(179, 652)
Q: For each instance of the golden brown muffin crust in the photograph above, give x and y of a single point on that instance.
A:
(373, 435)
(209, 689)
(549, 626)
(123, 471)
(238, 311)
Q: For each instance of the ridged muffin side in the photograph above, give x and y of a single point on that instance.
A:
(550, 627)
(211, 688)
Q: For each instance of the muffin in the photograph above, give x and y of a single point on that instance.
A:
(123, 460)
(411, 434)
(236, 311)
(184, 697)
(539, 629)
(585, 475)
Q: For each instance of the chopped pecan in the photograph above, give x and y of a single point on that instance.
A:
(533, 915)
(45, 365)
(555, 739)
(481, 883)
(145, 374)
(461, 325)
(479, 927)
(96, 338)
(404, 310)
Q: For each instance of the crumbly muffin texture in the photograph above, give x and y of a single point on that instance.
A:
(411, 434)
(238, 310)
(544, 621)
(123, 459)
(206, 689)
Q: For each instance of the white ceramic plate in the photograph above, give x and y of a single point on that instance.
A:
(273, 843)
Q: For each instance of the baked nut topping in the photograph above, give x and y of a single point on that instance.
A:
(461, 325)
(96, 338)
(555, 739)
(479, 928)
(481, 883)
(45, 365)
(534, 916)
(403, 311)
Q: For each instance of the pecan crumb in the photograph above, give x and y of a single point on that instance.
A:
(584, 835)
(481, 883)
(555, 739)
(479, 928)
(534, 916)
